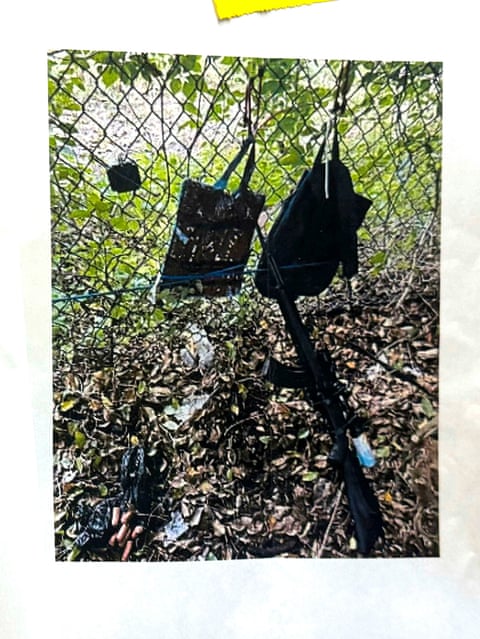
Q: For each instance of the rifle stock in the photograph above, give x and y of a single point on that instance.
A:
(325, 395)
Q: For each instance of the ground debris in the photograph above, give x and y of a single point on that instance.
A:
(245, 470)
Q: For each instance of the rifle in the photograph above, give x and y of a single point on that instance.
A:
(316, 374)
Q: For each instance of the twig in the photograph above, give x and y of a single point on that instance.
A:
(249, 418)
(332, 517)
(409, 283)
(405, 377)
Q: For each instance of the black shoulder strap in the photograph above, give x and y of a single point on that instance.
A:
(335, 152)
(247, 173)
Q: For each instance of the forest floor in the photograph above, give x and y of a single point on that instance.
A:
(237, 467)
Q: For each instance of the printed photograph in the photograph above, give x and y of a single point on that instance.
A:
(245, 259)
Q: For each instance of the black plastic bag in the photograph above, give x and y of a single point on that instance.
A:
(96, 521)
(124, 177)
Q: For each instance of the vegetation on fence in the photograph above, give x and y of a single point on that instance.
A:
(184, 115)
(247, 470)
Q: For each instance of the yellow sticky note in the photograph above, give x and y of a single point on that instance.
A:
(233, 8)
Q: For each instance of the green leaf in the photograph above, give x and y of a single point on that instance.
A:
(68, 404)
(427, 408)
(303, 433)
(118, 312)
(119, 222)
(103, 490)
(190, 108)
(387, 100)
(383, 452)
(343, 127)
(288, 124)
(271, 87)
(189, 87)
(80, 439)
(378, 258)
(364, 234)
(188, 62)
(311, 475)
(74, 553)
(79, 214)
(252, 67)
(290, 158)
(109, 76)
(101, 206)
(175, 85)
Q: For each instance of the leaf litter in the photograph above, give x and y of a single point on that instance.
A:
(238, 467)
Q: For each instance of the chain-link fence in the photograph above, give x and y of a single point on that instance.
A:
(178, 116)
(239, 463)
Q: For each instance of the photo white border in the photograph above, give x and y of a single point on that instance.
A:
(276, 598)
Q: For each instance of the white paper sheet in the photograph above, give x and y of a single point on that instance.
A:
(438, 598)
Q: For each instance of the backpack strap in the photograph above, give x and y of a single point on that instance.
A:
(323, 150)
(322, 155)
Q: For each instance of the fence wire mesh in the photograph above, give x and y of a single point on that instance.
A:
(249, 466)
(179, 116)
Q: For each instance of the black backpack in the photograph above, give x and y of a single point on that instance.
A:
(315, 230)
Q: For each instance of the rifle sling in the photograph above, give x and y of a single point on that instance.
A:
(322, 391)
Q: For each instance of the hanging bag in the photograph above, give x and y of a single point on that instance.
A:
(213, 232)
(214, 228)
(316, 229)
